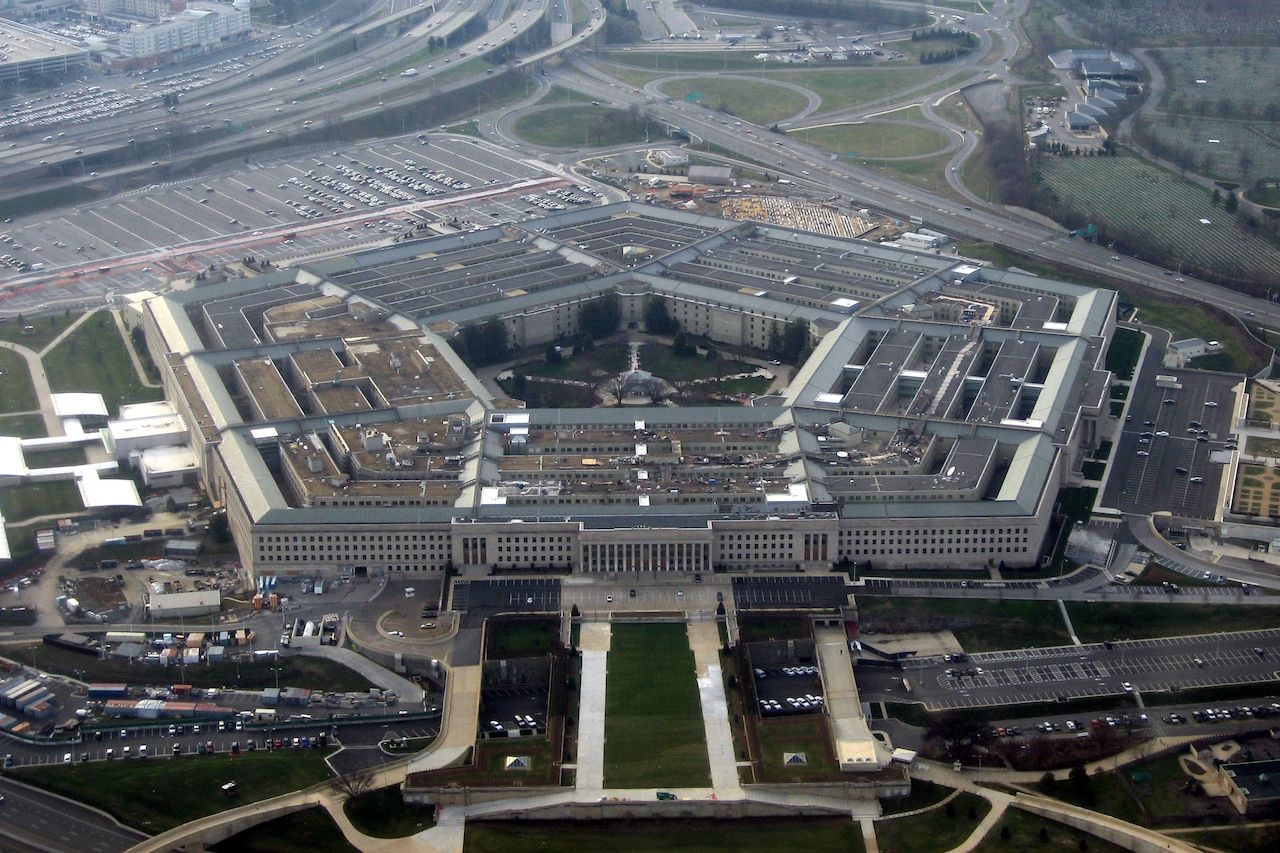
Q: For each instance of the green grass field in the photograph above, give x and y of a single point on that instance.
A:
(44, 328)
(561, 95)
(875, 139)
(807, 734)
(521, 638)
(161, 793)
(666, 836)
(585, 127)
(1024, 834)
(602, 360)
(653, 718)
(841, 88)
(1097, 622)
(696, 60)
(934, 831)
(756, 101)
(384, 814)
(23, 426)
(310, 829)
(923, 794)
(661, 360)
(1127, 798)
(17, 394)
(29, 500)
(1146, 206)
(980, 625)
(93, 358)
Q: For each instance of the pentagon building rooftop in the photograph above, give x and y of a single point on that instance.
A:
(941, 405)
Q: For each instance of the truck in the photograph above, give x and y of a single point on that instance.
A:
(409, 72)
(916, 220)
(1166, 381)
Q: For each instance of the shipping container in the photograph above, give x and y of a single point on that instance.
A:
(108, 691)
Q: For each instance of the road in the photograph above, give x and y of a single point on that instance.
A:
(33, 820)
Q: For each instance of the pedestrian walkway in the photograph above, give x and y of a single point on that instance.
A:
(458, 724)
(855, 747)
(998, 807)
(869, 842)
(40, 382)
(595, 641)
(704, 639)
(409, 692)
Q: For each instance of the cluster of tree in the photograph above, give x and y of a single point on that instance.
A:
(933, 57)
(621, 27)
(789, 343)
(1061, 149)
(599, 318)
(549, 395)
(684, 346)
(656, 318)
(934, 33)
(483, 344)
(1224, 107)
(870, 13)
(1006, 160)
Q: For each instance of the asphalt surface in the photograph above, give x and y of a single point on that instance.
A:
(1063, 673)
(32, 820)
(789, 592)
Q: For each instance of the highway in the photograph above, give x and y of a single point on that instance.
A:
(31, 819)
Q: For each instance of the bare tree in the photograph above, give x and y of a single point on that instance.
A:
(354, 784)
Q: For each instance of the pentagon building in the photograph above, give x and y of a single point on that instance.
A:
(941, 408)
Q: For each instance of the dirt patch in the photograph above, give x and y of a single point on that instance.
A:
(990, 102)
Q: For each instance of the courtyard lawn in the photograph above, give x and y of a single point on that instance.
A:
(598, 362)
(1023, 831)
(29, 500)
(384, 814)
(93, 358)
(160, 793)
(654, 734)
(43, 329)
(521, 638)
(310, 829)
(806, 734)
(16, 391)
(782, 835)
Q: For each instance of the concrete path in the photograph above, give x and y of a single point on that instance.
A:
(979, 834)
(381, 676)
(869, 835)
(594, 641)
(65, 333)
(40, 382)
(849, 729)
(138, 369)
(704, 639)
(458, 724)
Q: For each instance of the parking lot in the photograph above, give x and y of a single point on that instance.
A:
(1060, 673)
(480, 599)
(788, 592)
(503, 704)
(1165, 449)
(784, 690)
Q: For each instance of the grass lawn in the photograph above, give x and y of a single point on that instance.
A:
(310, 829)
(1238, 839)
(753, 626)
(874, 139)
(160, 793)
(939, 829)
(602, 360)
(29, 500)
(23, 426)
(840, 88)
(979, 625)
(1024, 834)
(782, 835)
(561, 95)
(757, 101)
(17, 394)
(923, 794)
(93, 358)
(1122, 357)
(653, 718)
(693, 60)
(661, 360)
(56, 458)
(1097, 622)
(585, 127)
(295, 671)
(1121, 796)
(488, 765)
(521, 638)
(807, 734)
(43, 329)
(384, 814)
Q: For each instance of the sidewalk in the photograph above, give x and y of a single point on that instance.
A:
(594, 642)
(381, 676)
(704, 639)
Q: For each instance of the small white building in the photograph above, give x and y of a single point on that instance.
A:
(670, 158)
(133, 435)
(1180, 353)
